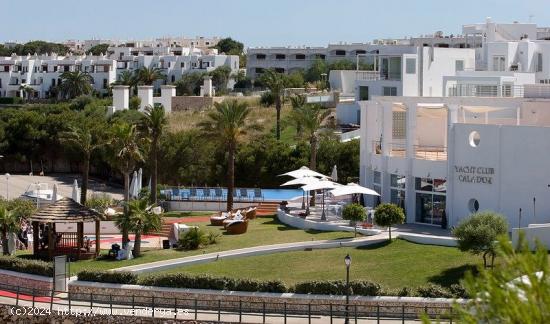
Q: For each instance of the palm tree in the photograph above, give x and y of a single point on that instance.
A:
(276, 83)
(228, 123)
(128, 78)
(127, 145)
(298, 102)
(142, 220)
(26, 90)
(154, 122)
(74, 84)
(86, 140)
(9, 223)
(310, 118)
(148, 76)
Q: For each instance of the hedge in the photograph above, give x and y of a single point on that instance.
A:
(10, 100)
(35, 267)
(334, 287)
(119, 277)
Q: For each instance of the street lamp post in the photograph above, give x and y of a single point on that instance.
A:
(347, 260)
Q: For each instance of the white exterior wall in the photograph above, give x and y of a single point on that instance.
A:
(348, 113)
(442, 64)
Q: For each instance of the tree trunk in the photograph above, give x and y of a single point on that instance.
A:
(154, 171)
(278, 108)
(230, 175)
(125, 238)
(389, 228)
(313, 163)
(484, 260)
(85, 176)
(5, 250)
(137, 244)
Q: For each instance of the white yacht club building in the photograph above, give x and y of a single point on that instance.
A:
(448, 157)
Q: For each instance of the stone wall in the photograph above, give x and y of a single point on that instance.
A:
(26, 282)
(193, 103)
(256, 301)
(8, 316)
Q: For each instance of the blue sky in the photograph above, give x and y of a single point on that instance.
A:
(256, 22)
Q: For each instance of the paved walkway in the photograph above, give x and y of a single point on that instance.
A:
(253, 251)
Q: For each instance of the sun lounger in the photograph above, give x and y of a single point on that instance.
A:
(175, 194)
(251, 213)
(193, 194)
(237, 227)
(218, 194)
(258, 196)
(218, 220)
(237, 216)
(244, 194)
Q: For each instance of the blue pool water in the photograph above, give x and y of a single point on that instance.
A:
(210, 194)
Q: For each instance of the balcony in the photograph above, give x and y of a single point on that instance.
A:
(505, 91)
(421, 152)
(377, 75)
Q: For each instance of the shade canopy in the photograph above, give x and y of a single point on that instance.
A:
(301, 181)
(65, 210)
(334, 174)
(353, 188)
(75, 193)
(304, 172)
(321, 184)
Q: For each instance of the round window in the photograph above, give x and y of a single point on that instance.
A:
(473, 205)
(474, 139)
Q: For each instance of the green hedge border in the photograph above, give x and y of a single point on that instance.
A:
(334, 287)
(35, 267)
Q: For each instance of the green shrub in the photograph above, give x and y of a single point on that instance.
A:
(11, 100)
(354, 213)
(134, 103)
(433, 291)
(193, 239)
(387, 215)
(458, 291)
(337, 287)
(36, 267)
(213, 237)
(119, 277)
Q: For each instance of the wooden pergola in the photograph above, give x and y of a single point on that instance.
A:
(71, 244)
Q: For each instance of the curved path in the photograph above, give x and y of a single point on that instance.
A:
(252, 251)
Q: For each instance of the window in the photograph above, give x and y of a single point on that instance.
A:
(182, 65)
(377, 185)
(340, 53)
(280, 70)
(173, 78)
(0, 83)
(399, 126)
(499, 63)
(300, 56)
(259, 70)
(53, 82)
(539, 62)
(320, 56)
(55, 68)
(260, 56)
(397, 186)
(6, 68)
(389, 91)
(363, 93)
(360, 52)
(459, 65)
(65, 68)
(280, 56)
(410, 67)
(105, 83)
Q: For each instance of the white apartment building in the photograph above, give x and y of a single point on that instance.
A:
(43, 72)
(446, 157)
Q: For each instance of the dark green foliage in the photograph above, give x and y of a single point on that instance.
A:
(36, 267)
(80, 102)
(387, 215)
(98, 49)
(354, 213)
(38, 47)
(118, 277)
(267, 99)
(337, 287)
(229, 46)
(196, 238)
(11, 100)
(189, 84)
(433, 291)
(134, 103)
(478, 233)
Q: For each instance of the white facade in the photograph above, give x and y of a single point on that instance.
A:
(448, 157)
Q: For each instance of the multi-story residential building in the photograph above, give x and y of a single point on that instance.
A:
(42, 73)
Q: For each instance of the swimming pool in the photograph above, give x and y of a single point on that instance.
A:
(241, 194)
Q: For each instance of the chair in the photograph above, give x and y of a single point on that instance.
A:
(207, 193)
(258, 196)
(193, 193)
(237, 216)
(250, 213)
(218, 194)
(237, 227)
(176, 194)
(218, 220)
(236, 194)
(244, 193)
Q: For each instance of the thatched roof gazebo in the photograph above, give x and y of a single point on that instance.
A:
(48, 243)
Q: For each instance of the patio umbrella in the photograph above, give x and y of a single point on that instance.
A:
(321, 185)
(133, 186)
(301, 181)
(75, 195)
(353, 188)
(334, 174)
(303, 172)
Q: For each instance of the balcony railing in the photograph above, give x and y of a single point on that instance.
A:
(377, 75)
(421, 152)
(507, 91)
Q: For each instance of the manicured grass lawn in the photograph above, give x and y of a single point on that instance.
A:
(392, 265)
(261, 231)
(188, 213)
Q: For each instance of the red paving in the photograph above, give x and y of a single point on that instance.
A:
(9, 294)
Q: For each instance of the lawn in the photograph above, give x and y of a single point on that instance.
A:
(392, 265)
(261, 231)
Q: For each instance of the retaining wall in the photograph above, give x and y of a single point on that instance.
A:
(302, 223)
(26, 282)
